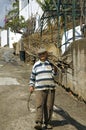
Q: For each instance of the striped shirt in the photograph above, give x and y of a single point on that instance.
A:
(42, 76)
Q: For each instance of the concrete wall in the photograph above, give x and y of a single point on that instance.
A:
(11, 37)
(75, 78)
(3, 38)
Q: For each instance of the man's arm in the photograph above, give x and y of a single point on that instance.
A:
(32, 81)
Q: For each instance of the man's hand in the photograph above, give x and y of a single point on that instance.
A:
(31, 89)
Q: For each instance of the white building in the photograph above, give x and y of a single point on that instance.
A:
(30, 8)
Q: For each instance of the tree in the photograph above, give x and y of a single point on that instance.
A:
(49, 12)
(46, 5)
(13, 20)
(49, 9)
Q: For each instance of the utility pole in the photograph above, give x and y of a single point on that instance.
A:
(8, 37)
(0, 36)
(73, 14)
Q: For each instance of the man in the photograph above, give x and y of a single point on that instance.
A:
(42, 81)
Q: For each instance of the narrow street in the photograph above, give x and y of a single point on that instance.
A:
(69, 113)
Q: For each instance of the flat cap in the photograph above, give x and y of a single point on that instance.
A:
(42, 50)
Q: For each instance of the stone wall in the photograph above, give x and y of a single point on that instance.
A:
(75, 78)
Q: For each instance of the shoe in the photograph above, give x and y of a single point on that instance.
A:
(38, 126)
(48, 126)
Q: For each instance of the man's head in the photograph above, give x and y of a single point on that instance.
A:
(42, 53)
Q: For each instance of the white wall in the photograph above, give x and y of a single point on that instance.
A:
(13, 37)
(68, 37)
(24, 12)
(31, 9)
(3, 38)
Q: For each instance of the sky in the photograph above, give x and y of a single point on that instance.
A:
(4, 8)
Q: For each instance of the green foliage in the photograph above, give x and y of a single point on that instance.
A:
(46, 4)
(13, 20)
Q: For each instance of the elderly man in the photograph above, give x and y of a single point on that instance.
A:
(42, 82)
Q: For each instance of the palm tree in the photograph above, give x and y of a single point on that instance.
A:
(46, 4)
(48, 7)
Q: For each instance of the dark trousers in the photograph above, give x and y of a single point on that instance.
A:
(44, 105)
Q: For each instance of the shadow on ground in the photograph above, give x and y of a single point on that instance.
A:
(67, 119)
